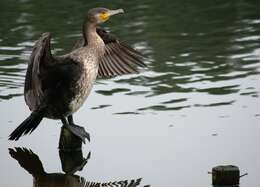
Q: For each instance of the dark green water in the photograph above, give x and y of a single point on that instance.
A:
(196, 106)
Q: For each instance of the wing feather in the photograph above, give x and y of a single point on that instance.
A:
(119, 58)
(39, 59)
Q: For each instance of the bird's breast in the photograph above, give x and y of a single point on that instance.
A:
(85, 83)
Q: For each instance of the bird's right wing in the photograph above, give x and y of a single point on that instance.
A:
(39, 59)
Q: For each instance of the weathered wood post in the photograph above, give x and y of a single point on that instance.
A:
(70, 152)
(68, 141)
(228, 175)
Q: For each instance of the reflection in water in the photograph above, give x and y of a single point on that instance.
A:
(71, 163)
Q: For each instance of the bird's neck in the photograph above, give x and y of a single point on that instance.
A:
(92, 39)
(90, 35)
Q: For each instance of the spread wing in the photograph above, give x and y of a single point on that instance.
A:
(48, 75)
(39, 59)
(119, 57)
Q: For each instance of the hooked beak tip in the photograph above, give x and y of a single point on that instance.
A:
(114, 12)
(121, 10)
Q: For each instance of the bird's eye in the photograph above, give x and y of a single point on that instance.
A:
(104, 16)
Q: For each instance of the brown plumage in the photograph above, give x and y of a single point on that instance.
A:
(56, 87)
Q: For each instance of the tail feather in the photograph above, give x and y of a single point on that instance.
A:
(27, 126)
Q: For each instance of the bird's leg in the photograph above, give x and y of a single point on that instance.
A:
(70, 119)
(85, 133)
(75, 129)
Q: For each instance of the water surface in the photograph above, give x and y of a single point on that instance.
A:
(196, 106)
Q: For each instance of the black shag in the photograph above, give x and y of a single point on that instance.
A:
(56, 87)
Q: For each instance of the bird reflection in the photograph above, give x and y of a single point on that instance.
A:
(71, 163)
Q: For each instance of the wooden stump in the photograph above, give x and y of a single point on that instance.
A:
(71, 156)
(68, 141)
(225, 175)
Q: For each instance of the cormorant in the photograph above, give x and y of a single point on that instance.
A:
(56, 87)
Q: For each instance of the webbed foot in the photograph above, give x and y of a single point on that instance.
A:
(79, 132)
(75, 129)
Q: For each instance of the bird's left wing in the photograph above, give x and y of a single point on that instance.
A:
(119, 58)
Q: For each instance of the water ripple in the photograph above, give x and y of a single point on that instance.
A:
(216, 58)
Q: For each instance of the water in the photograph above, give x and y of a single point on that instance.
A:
(195, 107)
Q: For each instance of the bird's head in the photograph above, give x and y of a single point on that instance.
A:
(100, 15)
